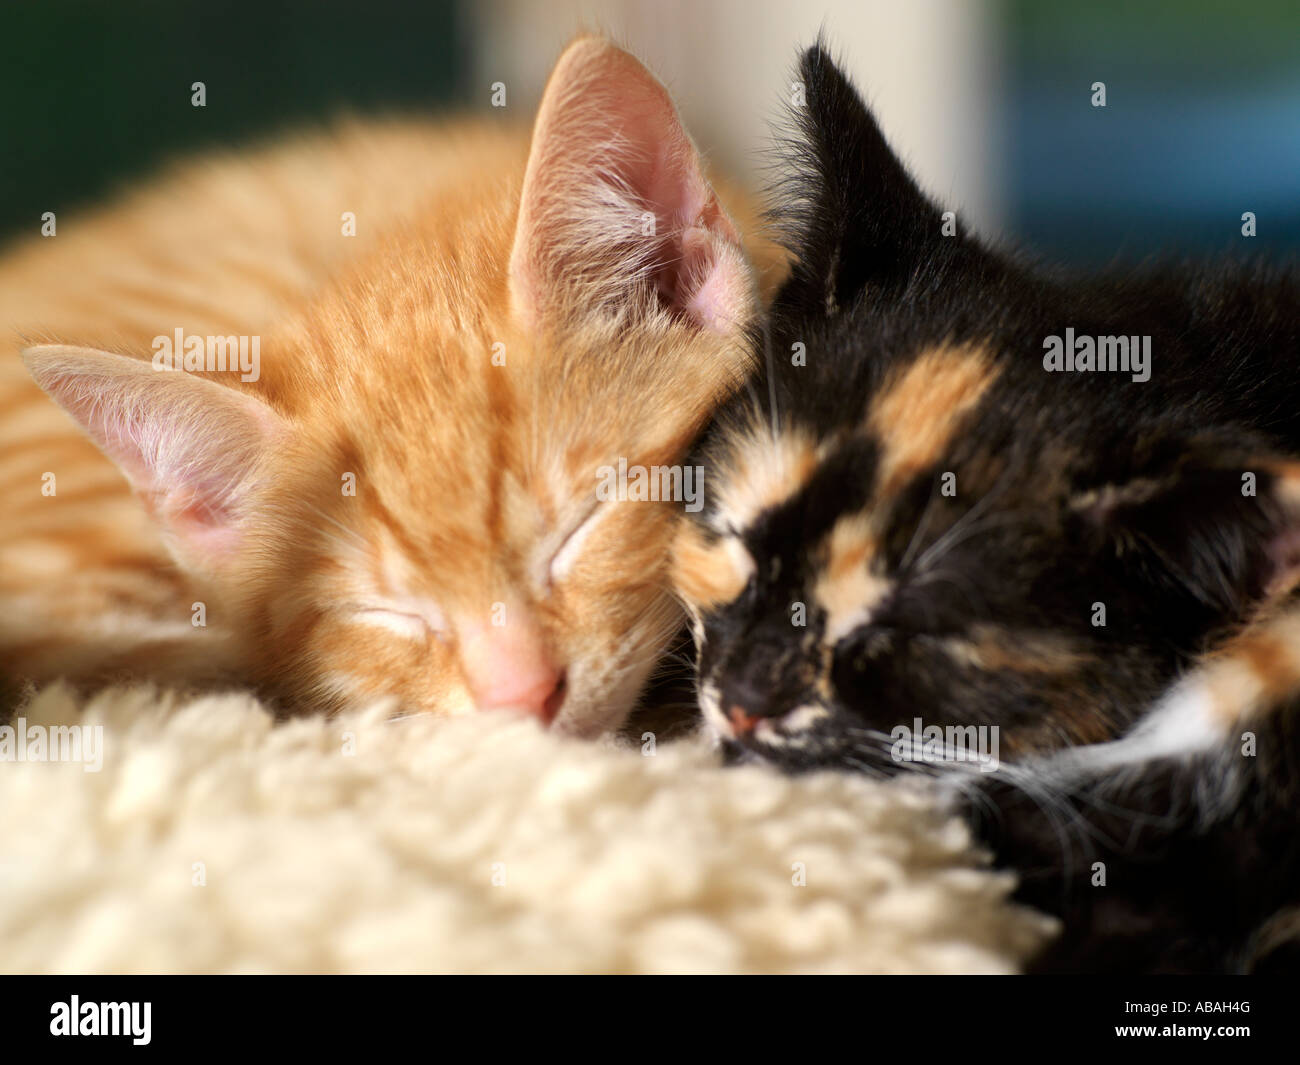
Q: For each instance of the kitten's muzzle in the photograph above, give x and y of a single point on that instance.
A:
(747, 704)
(741, 722)
(510, 667)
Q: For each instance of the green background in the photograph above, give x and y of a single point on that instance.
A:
(1203, 120)
(92, 94)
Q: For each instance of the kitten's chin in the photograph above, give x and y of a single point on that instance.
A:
(582, 727)
(599, 704)
(589, 720)
(795, 751)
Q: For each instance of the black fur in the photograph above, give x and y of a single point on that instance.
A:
(1075, 488)
(1201, 860)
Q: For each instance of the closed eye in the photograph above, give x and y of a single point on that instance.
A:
(412, 623)
(572, 545)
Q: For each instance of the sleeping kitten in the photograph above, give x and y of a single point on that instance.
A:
(921, 517)
(398, 496)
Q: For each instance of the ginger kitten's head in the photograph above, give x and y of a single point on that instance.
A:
(406, 502)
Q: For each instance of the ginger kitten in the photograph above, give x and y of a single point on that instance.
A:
(400, 499)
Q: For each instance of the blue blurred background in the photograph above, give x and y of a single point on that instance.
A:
(1202, 124)
(989, 100)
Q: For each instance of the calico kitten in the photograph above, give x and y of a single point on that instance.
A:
(916, 518)
(401, 500)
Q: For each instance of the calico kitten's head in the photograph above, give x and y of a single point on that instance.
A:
(406, 503)
(910, 518)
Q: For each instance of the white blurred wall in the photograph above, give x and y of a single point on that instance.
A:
(929, 69)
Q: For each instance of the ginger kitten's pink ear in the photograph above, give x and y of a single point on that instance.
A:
(615, 207)
(187, 444)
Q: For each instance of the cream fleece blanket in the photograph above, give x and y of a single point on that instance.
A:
(214, 840)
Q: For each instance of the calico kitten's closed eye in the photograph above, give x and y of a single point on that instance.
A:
(402, 502)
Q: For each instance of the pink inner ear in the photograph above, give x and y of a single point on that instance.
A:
(608, 149)
(187, 444)
(211, 534)
(713, 284)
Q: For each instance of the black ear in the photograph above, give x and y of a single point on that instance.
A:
(857, 215)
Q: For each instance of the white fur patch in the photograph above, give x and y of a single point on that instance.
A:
(1184, 722)
(711, 706)
(790, 729)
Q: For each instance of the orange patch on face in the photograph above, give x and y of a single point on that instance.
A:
(847, 589)
(763, 472)
(991, 648)
(709, 574)
(917, 413)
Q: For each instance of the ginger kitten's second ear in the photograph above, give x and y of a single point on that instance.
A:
(616, 214)
(188, 445)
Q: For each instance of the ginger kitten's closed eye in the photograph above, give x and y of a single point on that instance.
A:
(404, 501)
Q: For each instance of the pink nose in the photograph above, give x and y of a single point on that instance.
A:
(508, 667)
(539, 693)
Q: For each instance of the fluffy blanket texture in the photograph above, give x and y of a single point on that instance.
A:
(215, 840)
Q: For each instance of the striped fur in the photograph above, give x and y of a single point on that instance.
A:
(469, 404)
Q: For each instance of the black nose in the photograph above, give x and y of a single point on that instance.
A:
(744, 704)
